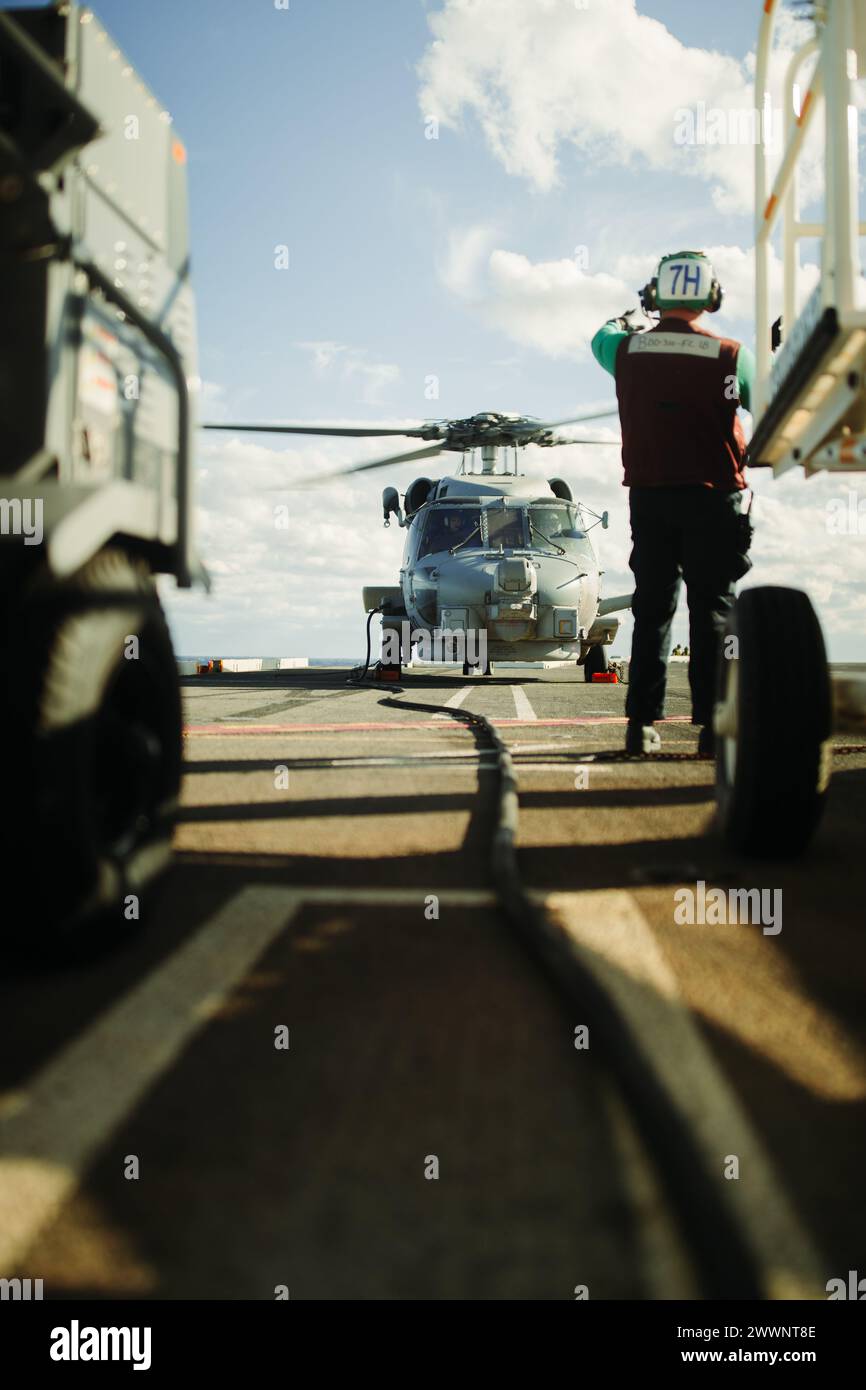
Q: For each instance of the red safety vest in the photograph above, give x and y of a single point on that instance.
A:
(677, 392)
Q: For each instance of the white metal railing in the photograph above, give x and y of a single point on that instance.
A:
(841, 30)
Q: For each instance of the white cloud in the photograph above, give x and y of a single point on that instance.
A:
(355, 365)
(556, 306)
(324, 353)
(375, 378)
(796, 544)
(551, 305)
(607, 81)
(294, 589)
(468, 250)
(735, 268)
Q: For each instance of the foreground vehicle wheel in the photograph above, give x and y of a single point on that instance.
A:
(97, 709)
(596, 663)
(772, 724)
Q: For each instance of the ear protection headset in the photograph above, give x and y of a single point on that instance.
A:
(684, 280)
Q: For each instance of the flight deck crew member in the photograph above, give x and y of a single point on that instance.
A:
(683, 449)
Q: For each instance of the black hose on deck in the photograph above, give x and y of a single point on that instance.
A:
(359, 674)
(724, 1263)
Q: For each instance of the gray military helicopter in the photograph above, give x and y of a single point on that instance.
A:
(497, 559)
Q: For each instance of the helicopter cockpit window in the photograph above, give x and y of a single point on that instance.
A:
(558, 522)
(447, 527)
(505, 528)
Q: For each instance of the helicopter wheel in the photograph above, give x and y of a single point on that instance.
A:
(486, 670)
(595, 663)
(772, 724)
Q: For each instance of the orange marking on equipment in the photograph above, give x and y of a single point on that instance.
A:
(178, 152)
(773, 200)
(805, 107)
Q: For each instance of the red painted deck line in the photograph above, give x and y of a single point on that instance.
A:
(235, 730)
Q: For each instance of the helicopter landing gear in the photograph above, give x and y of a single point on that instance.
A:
(773, 723)
(595, 663)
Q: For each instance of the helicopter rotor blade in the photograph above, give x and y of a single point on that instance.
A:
(578, 419)
(586, 441)
(430, 452)
(414, 429)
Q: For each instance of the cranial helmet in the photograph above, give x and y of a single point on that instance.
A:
(684, 280)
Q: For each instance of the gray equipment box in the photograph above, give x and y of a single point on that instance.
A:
(97, 365)
(97, 334)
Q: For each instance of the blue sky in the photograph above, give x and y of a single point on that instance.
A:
(485, 258)
(303, 127)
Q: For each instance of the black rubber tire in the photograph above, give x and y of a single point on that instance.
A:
(596, 663)
(98, 753)
(771, 779)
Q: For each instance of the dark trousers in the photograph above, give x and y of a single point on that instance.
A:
(679, 533)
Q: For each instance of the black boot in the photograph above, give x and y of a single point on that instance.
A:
(707, 742)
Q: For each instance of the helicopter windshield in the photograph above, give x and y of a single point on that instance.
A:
(559, 522)
(505, 528)
(447, 527)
